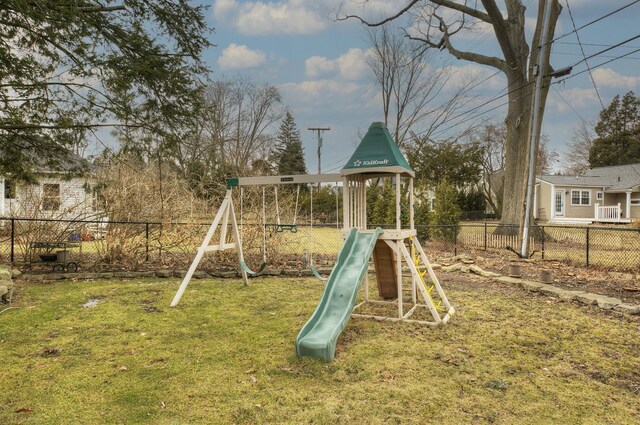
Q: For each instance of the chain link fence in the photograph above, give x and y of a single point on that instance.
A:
(130, 246)
(614, 248)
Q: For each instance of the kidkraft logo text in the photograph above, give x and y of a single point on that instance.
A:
(358, 163)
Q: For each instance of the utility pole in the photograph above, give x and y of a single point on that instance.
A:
(319, 130)
(535, 126)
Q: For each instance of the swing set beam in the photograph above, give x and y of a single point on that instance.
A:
(295, 179)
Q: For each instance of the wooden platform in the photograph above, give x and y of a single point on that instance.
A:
(384, 260)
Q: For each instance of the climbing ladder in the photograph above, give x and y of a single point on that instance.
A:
(426, 292)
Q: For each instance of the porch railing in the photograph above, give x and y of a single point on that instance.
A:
(607, 212)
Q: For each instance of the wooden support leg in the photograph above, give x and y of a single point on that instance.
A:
(399, 279)
(205, 243)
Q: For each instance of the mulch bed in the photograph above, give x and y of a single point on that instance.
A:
(625, 286)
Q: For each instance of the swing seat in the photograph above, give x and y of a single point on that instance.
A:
(316, 273)
(293, 228)
(247, 270)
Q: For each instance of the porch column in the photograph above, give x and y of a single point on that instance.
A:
(627, 213)
(553, 203)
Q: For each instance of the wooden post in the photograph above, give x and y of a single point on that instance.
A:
(345, 203)
(398, 196)
(399, 277)
(412, 224)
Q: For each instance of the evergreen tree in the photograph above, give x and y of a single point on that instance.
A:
(446, 210)
(618, 133)
(288, 154)
(68, 68)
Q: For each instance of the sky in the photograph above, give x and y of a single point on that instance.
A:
(319, 65)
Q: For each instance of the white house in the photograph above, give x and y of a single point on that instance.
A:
(56, 195)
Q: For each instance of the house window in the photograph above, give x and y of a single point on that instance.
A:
(580, 197)
(599, 196)
(9, 189)
(635, 201)
(51, 197)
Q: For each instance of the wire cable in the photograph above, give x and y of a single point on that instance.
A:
(575, 30)
(595, 87)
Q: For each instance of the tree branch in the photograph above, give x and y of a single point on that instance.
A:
(384, 21)
(464, 9)
(501, 31)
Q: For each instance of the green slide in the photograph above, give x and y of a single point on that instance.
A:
(319, 335)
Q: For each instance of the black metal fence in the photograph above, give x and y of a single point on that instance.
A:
(616, 248)
(97, 245)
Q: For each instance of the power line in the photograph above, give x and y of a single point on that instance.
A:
(569, 105)
(594, 21)
(593, 44)
(597, 66)
(602, 56)
(595, 87)
(635, 37)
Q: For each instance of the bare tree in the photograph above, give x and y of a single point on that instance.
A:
(234, 131)
(546, 158)
(577, 158)
(409, 86)
(492, 138)
(435, 31)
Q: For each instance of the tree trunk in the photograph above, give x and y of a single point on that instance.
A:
(518, 122)
(517, 154)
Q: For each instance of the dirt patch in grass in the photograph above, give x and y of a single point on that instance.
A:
(227, 355)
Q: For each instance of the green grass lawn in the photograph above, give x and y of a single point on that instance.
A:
(226, 354)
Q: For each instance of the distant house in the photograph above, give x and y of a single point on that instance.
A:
(602, 194)
(56, 195)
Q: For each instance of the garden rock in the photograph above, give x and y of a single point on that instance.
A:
(589, 299)
(532, 286)
(627, 308)
(608, 303)
(552, 290)
(571, 295)
(163, 273)
(199, 274)
(15, 273)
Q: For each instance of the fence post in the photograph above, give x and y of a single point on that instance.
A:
(485, 236)
(542, 229)
(455, 239)
(13, 238)
(146, 233)
(587, 247)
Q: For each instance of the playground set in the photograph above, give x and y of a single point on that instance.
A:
(377, 156)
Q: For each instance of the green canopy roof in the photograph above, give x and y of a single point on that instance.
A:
(377, 154)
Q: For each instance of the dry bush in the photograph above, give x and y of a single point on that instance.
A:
(147, 194)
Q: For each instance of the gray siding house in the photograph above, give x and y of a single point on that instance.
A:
(603, 194)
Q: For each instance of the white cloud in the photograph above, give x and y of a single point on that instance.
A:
(576, 97)
(315, 66)
(267, 17)
(351, 65)
(223, 8)
(319, 90)
(607, 77)
(240, 56)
